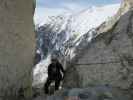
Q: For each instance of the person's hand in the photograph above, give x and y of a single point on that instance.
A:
(63, 76)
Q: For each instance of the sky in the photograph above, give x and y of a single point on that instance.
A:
(45, 8)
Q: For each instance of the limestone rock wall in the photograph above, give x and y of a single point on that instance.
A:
(17, 45)
(108, 59)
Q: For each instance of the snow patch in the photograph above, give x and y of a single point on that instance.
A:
(40, 71)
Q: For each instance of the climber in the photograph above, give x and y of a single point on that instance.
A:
(55, 71)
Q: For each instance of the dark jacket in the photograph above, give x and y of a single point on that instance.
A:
(54, 71)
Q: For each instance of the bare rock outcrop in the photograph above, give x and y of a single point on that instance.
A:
(108, 58)
(17, 45)
(126, 5)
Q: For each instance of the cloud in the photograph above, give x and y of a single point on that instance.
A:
(74, 7)
(47, 8)
(42, 13)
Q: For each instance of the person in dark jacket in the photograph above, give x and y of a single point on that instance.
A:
(55, 70)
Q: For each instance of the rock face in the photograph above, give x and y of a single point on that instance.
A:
(108, 58)
(17, 46)
(126, 5)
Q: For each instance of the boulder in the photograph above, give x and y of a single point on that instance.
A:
(91, 93)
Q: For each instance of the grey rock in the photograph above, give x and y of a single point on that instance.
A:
(17, 45)
(107, 59)
(92, 93)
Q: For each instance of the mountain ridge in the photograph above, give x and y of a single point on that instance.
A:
(62, 35)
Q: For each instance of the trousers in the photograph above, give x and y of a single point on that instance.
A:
(49, 81)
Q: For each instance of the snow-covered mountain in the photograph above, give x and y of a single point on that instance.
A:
(65, 33)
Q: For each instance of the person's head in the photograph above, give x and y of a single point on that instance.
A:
(54, 60)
